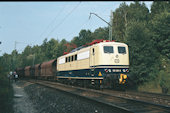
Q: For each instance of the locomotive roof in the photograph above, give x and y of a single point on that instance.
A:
(114, 43)
(101, 43)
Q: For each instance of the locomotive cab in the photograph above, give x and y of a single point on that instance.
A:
(110, 53)
(111, 61)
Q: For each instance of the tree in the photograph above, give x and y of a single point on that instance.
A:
(37, 55)
(6, 62)
(143, 57)
(100, 33)
(160, 25)
(120, 22)
(158, 7)
(51, 50)
(85, 36)
(135, 12)
(76, 41)
(61, 47)
(26, 58)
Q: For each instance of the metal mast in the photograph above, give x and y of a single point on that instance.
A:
(110, 27)
(110, 24)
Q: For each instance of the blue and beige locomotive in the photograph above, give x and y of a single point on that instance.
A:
(103, 63)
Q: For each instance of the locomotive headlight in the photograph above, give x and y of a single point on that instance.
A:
(127, 70)
(109, 70)
(106, 70)
(124, 76)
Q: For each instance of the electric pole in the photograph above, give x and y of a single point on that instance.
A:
(0, 43)
(14, 57)
(33, 59)
(110, 24)
(110, 27)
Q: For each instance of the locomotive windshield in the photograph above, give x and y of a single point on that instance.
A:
(108, 49)
(121, 50)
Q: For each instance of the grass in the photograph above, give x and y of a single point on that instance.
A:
(156, 85)
(152, 86)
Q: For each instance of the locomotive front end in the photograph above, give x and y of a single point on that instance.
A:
(113, 63)
(115, 77)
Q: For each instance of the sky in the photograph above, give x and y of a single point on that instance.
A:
(29, 23)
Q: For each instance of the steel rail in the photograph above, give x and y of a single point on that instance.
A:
(122, 103)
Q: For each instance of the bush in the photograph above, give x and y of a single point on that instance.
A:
(164, 82)
(6, 95)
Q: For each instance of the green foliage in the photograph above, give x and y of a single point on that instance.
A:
(76, 41)
(142, 54)
(6, 93)
(164, 81)
(159, 7)
(120, 22)
(138, 12)
(160, 26)
(135, 12)
(51, 49)
(85, 36)
(100, 33)
(165, 77)
(62, 47)
(6, 62)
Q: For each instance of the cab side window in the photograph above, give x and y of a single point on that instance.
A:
(93, 51)
(75, 57)
(72, 58)
(66, 59)
(69, 59)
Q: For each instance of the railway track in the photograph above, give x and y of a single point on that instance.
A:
(145, 96)
(123, 103)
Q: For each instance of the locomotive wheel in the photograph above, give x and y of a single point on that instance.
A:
(97, 84)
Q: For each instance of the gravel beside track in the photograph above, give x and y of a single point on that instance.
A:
(144, 96)
(39, 99)
(125, 104)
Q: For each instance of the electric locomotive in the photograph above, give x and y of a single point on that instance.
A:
(103, 63)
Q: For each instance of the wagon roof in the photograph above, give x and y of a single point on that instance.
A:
(19, 68)
(48, 63)
(28, 67)
(32, 67)
(37, 65)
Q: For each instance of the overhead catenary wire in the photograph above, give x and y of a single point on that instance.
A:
(78, 27)
(63, 19)
(59, 12)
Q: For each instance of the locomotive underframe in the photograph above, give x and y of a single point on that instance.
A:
(96, 77)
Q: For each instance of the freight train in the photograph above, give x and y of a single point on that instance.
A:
(102, 63)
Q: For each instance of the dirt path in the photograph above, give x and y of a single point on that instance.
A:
(22, 104)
